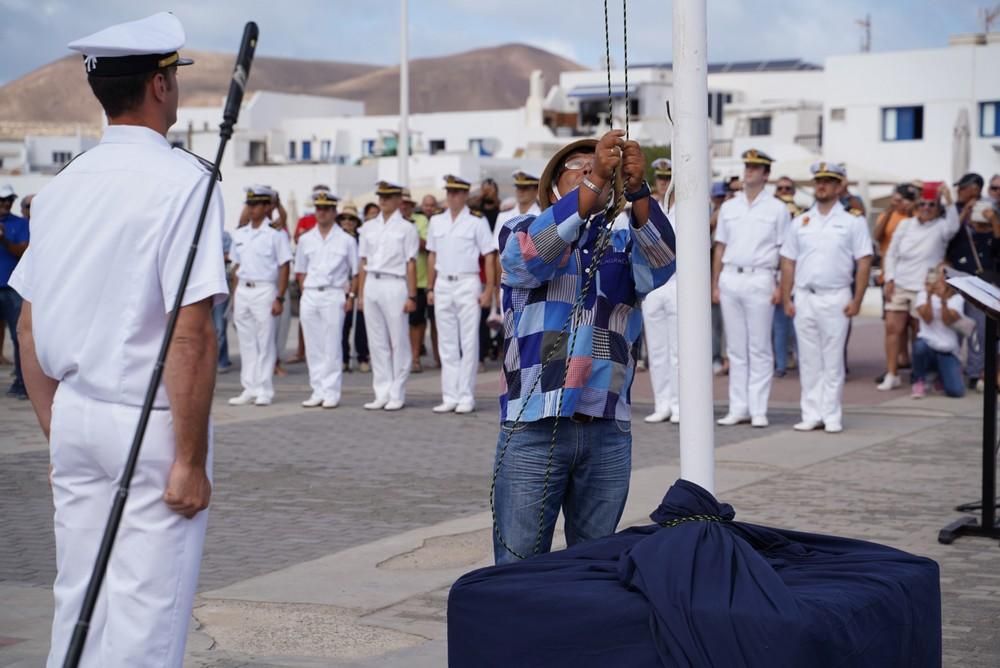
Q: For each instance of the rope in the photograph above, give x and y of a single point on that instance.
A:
(611, 211)
(625, 46)
(691, 518)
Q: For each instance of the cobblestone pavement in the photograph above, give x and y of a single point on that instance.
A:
(294, 485)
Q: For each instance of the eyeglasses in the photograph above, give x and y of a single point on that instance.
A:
(927, 205)
(577, 163)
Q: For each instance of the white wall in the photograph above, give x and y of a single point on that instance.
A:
(767, 86)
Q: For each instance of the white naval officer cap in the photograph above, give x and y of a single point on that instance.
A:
(259, 194)
(135, 47)
(829, 170)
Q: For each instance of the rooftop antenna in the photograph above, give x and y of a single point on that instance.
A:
(866, 35)
(988, 17)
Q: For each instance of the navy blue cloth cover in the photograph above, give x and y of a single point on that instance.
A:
(701, 593)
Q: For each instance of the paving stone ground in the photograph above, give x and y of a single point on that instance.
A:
(293, 485)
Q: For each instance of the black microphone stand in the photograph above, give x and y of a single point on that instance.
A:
(229, 116)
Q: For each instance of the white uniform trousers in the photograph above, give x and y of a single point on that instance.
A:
(747, 313)
(456, 310)
(322, 316)
(821, 328)
(142, 613)
(659, 318)
(388, 328)
(255, 327)
(283, 325)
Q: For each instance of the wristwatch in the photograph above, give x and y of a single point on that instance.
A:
(280, 299)
(642, 192)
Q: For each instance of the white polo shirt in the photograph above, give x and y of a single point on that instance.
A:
(938, 335)
(753, 232)
(259, 252)
(457, 243)
(327, 262)
(110, 236)
(506, 216)
(917, 247)
(825, 248)
(387, 245)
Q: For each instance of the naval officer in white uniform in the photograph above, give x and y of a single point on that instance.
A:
(388, 248)
(118, 222)
(749, 233)
(326, 267)
(261, 255)
(456, 239)
(827, 251)
(659, 319)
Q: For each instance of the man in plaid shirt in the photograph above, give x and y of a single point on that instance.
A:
(544, 260)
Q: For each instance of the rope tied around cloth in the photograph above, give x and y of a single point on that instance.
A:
(670, 524)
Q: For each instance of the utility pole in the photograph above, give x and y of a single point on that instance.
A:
(403, 145)
(866, 34)
(988, 17)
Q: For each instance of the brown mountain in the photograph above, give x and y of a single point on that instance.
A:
(491, 78)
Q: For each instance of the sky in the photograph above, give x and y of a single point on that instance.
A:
(35, 32)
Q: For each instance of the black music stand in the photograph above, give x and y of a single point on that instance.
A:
(985, 297)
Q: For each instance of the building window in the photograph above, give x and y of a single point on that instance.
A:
(902, 123)
(367, 147)
(478, 147)
(838, 114)
(436, 146)
(324, 150)
(989, 119)
(291, 150)
(307, 150)
(61, 157)
(633, 107)
(760, 126)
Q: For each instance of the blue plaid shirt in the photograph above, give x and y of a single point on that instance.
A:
(542, 258)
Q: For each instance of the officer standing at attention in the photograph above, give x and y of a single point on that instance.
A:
(750, 231)
(388, 250)
(262, 256)
(659, 318)
(326, 267)
(821, 250)
(118, 222)
(456, 239)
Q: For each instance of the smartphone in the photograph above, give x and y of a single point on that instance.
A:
(979, 210)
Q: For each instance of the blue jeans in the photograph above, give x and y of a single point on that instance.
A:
(219, 318)
(10, 311)
(947, 365)
(782, 337)
(588, 480)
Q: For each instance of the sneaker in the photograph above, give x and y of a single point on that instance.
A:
(244, 399)
(365, 367)
(807, 425)
(759, 421)
(445, 407)
(465, 408)
(879, 378)
(330, 403)
(889, 382)
(919, 390)
(658, 416)
(376, 405)
(312, 402)
(394, 405)
(262, 401)
(730, 420)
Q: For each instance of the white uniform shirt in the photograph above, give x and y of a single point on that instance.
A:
(938, 335)
(917, 247)
(459, 242)
(109, 239)
(825, 247)
(329, 262)
(387, 245)
(506, 216)
(752, 232)
(259, 253)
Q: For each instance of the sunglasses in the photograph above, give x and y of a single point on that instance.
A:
(325, 208)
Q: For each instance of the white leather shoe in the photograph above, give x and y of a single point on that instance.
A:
(807, 425)
(330, 403)
(465, 408)
(833, 428)
(730, 420)
(658, 416)
(675, 418)
(244, 399)
(394, 405)
(376, 405)
(262, 401)
(445, 407)
(312, 402)
(759, 421)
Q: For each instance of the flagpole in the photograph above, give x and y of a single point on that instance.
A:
(403, 147)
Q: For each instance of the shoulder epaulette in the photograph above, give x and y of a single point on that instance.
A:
(477, 214)
(70, 162)
(855, 212)
(208, 166)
